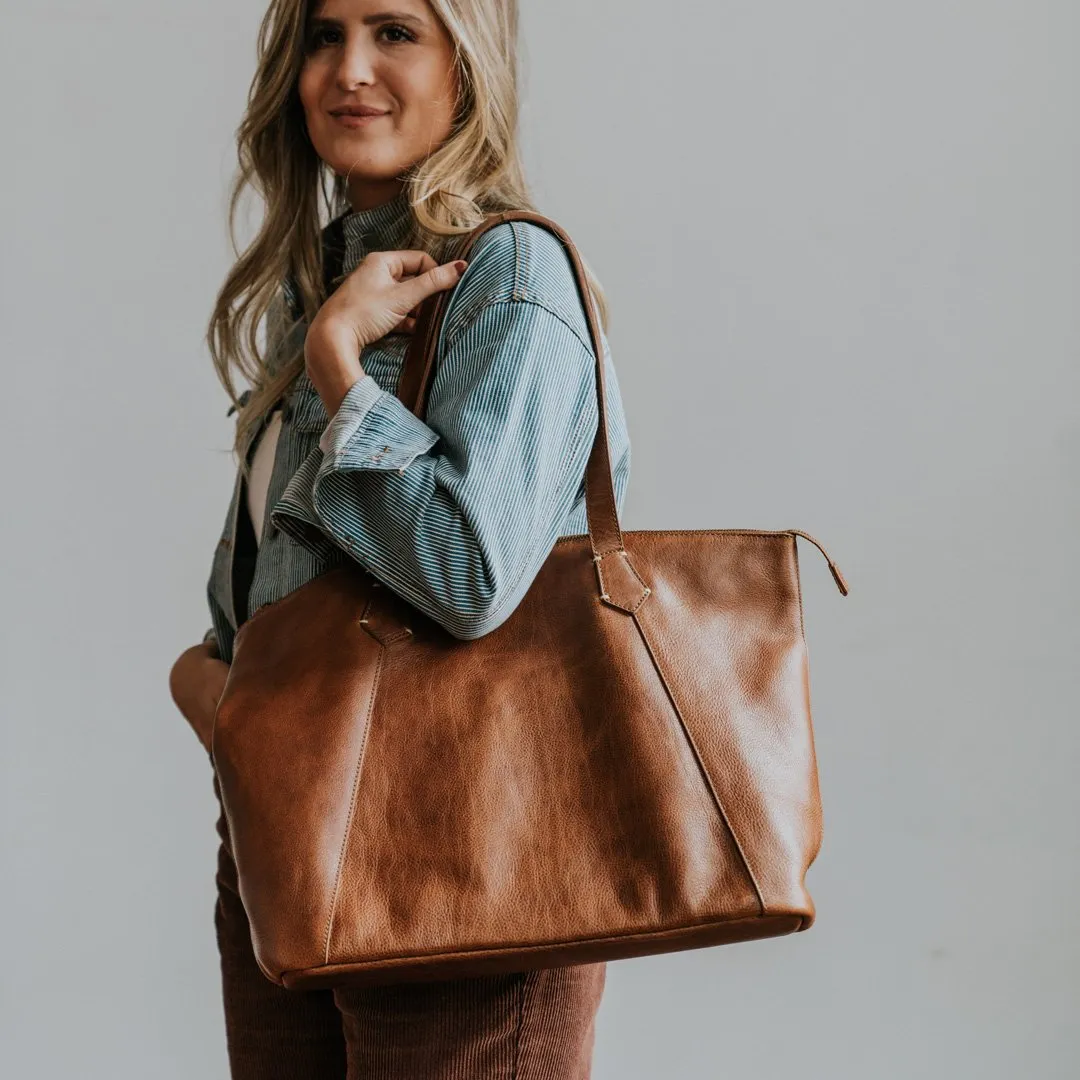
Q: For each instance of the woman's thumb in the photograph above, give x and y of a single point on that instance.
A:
(441, 277)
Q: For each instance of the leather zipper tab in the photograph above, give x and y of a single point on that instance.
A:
(841, 584)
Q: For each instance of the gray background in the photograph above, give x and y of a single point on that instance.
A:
(840, 242)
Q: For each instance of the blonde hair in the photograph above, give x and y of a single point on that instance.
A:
(476, 171)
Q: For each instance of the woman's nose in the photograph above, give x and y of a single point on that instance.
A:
(356, 65)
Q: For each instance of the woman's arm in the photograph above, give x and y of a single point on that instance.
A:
(457, 512)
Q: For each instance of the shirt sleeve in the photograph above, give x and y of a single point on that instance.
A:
(457, 512)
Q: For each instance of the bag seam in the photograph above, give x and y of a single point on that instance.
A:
(689, 738)
(352, 804)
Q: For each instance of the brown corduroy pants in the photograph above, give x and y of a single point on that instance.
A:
(536, 1025)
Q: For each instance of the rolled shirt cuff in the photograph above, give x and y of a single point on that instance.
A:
(372, 429)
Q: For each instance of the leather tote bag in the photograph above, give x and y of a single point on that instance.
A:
(625, 766)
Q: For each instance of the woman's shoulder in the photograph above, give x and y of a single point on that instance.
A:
(518, 262)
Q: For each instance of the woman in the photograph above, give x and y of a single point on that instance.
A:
(455, 512)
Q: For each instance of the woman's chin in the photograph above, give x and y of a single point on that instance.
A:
(357, 158)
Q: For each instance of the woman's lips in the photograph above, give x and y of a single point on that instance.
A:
(353, 121)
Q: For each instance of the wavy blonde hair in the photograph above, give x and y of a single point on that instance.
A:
(476, 171)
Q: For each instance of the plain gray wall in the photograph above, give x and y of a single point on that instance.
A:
(840, 241)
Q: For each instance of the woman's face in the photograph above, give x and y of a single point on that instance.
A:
(392, 55)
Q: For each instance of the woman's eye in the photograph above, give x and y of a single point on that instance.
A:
(394, 28)
(315, 40)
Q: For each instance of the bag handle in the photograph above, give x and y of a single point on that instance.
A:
(601, 509)
(621, 585)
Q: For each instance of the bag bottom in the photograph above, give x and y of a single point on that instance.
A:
(476, 962)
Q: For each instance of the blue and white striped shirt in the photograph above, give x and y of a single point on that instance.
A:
(456, 512)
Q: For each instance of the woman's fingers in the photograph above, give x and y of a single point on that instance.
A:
(409, 263)
(383, 295)
(196, 681)
(439, 277)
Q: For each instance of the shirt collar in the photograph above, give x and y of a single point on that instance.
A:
(351, 235)
(378, 228)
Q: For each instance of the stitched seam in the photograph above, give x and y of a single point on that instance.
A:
(352, 804)
(630, 565)
(569, 326)
(520, 295)
(451, 341)
(641, 581)
(701, 764)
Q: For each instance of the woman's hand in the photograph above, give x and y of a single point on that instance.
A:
(382, 295)
(196, 682)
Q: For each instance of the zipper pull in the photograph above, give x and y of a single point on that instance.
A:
(841, 584)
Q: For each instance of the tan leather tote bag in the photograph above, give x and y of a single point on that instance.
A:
(625, 766)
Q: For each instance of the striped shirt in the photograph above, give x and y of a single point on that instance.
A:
(455, 512)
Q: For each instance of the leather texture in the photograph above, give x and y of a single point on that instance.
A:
(623, 767)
